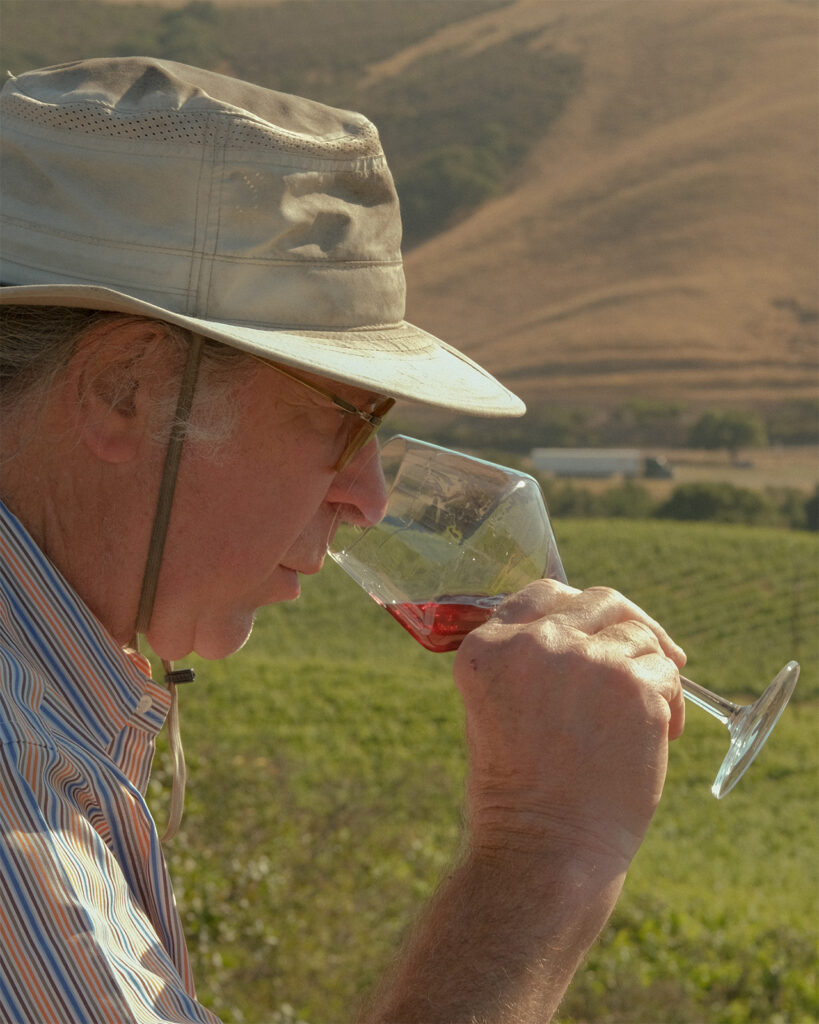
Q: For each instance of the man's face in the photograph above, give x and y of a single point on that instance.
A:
(246, 522)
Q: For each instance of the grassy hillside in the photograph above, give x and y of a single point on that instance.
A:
(326, 766)
(661, 240)
(606, 200)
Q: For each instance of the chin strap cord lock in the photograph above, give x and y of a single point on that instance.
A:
(173, 678)
(179, 675)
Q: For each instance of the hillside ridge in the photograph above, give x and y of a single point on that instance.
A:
(604, 200)
(661, 240)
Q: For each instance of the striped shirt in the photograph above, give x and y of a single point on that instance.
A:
(89, 930)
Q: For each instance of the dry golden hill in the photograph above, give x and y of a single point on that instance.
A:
(661, 240)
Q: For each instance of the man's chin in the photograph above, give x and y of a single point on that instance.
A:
(214, 647)
(209, 641)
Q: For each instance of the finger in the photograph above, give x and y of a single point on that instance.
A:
(599, 608)
(637, 642)
(590, 611)
(539, 598)
(660, 673)
(632, 637)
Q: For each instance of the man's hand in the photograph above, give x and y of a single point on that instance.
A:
(571, 698)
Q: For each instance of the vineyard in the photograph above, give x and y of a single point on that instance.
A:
(738, 600)
(326, 765)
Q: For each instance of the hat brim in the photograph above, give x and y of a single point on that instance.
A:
(399, 360)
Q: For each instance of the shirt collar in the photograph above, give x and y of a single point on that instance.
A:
(101, 687)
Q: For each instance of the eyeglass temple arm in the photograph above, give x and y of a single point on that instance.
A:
(342, 403)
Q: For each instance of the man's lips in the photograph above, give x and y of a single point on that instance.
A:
(306, 569)
(306, 563)
(287, 586)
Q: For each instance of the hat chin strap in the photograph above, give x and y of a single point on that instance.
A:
(150, 576)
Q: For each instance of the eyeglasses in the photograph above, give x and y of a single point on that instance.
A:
(368, 420)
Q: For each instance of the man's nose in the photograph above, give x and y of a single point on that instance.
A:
(359, 489)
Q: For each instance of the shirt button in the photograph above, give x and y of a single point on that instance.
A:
(144, 704)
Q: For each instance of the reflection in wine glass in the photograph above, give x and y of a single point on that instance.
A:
(460, 534)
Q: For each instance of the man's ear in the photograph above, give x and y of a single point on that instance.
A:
(111, 385)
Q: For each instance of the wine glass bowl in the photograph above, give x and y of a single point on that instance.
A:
(483, 531)
(459, 534)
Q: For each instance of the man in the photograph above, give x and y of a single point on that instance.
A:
(203, 327)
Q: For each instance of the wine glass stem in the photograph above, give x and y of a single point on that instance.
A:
(723, 710)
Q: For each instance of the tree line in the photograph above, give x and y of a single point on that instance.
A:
(702, 501)
(640, 423)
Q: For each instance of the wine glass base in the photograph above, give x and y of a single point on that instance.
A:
(752, 726)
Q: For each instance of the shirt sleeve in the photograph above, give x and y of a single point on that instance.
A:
(76, 943)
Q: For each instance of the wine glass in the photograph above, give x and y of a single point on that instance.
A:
(459, 534)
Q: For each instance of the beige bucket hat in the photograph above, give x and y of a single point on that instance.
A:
(266, 221)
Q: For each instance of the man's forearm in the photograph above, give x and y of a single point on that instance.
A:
(499, 942)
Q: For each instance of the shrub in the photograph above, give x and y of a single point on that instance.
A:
(628, 500)
(447, 181)
(794, 422)
(731, 429)
(812, 511)
(718, 502)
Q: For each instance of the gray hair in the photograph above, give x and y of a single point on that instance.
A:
(38, 341)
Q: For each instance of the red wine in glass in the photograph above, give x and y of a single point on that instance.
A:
(442, 624)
